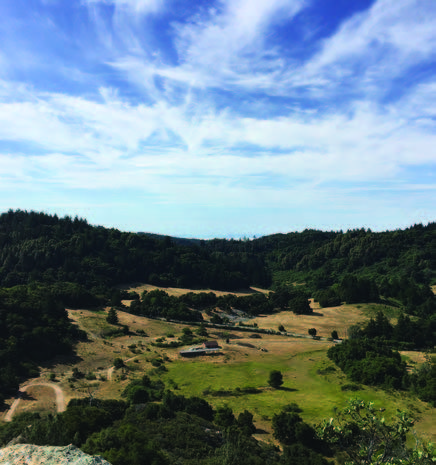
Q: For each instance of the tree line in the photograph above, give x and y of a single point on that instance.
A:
(357, 265)
(188, 307)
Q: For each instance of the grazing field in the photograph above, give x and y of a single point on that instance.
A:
(177, 292)
(310, 379)
(324, 320)
(237, 377)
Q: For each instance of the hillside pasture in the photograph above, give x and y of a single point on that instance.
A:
(239, 377)
(177, 292)
(41, 399)
(325, 320)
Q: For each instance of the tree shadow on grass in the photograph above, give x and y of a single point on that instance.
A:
(66, 359)
(260, 431)
(286, 389)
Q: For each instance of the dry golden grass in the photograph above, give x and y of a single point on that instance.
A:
(325, 320)
(38, 399)
(176, 291)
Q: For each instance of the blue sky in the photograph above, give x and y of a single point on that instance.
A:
(220, 118)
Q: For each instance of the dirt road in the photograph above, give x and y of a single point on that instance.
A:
(60, 398)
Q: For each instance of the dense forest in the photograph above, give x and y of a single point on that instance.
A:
(38, 247)
(33, 326)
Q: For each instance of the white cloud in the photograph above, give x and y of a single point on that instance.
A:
(384, 40)
(419, 103)
(236, 31)
(136, 6)
(223, 47)
(190, 152)
(228, 48)
(115, 142)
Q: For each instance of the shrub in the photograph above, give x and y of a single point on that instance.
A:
(275, 379)
(118, 363)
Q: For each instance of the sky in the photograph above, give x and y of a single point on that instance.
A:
(220, 118)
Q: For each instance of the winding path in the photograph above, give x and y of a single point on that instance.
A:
(60, 398)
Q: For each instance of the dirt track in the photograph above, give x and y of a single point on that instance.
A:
(60, 398)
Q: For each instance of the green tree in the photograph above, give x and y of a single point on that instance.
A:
(312, 332)
(202, 331)
(112, 317)
(289, 428)
(363, 433)
(297, 454)
(118, 363)
(300, 306)
(275, 379)
(245, 423)
(335, 334)
(224, 417)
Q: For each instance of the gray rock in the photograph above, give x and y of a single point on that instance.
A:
(29, 454)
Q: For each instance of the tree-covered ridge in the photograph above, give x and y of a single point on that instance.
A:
(410, 252)
(390, 258)
(37, 246)
(413, 249)
(34, 327)
(40, 247)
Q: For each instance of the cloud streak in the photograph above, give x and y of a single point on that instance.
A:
(217, 107)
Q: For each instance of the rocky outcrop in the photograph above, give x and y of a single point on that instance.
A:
(29, 454)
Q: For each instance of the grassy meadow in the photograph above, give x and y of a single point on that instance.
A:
(238, 377)
(310, 379)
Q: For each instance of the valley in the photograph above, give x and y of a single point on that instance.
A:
(311, 380)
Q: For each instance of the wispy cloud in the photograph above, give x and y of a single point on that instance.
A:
(217, 106)
(136, 6)
(224, 46)
(375, 45)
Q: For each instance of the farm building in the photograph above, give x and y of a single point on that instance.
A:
(211, 345)
(208, 348)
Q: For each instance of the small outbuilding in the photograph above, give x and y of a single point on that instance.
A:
(211, 345)
(207, 348)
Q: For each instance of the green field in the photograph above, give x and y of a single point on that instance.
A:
(310, 379)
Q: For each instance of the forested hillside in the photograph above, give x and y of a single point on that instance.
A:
(47, 263)
(40, 247)
(353, 266)
(33, 327)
